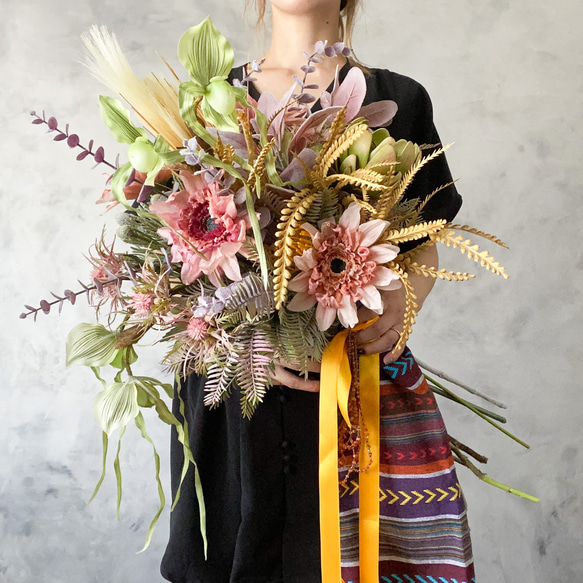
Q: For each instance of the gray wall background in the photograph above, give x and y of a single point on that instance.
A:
(506, 81)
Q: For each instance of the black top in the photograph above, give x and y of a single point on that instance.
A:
(260, 477)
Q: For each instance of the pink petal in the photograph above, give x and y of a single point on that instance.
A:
(347, 313)
(300, 282)
(371, 298)
(231, 268)
(350, 92)
(301, 302)
(371, 231)
(306, 260)
(350, 218)
(383, 253)
(379, 113)
(383, 277)
(310, 229)
(325, 316)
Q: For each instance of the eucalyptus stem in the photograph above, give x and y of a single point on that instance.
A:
(473, 408)
(459, 400)
(485, 478)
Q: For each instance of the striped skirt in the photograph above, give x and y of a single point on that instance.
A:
(424, 534)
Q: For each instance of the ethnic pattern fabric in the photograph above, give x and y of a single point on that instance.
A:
(424, 533)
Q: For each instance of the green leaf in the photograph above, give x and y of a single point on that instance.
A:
(117, 119)
(141, 425)
(105, 443)
(91, 345)
(118, 182)
(205, 53)
(117, 470)
(117, 405)
(187, 102)
(124, 357)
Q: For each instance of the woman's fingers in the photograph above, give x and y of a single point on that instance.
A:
(313, 366)
(382, 343)
(281, 376)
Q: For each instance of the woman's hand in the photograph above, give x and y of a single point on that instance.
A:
(283, 376)
(385, 333)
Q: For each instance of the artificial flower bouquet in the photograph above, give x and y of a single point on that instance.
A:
(253, 229)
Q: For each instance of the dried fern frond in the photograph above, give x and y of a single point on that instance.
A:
(154, 100)
(487, 236)
(413, 233)
(389, 199)
(225, 153)
(328, 156)
(219, 380)
(411, 306)
(449, 238)
(292, 218)
(344, 179)
(435, 273)
(323, 207)
(361, 203)
(412, 253)
(249, 300)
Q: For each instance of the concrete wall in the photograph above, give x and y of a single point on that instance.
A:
(506, 80)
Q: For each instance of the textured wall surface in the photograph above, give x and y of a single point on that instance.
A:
(506, 81)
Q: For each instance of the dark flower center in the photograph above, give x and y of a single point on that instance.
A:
(199, 225)
(337, 265)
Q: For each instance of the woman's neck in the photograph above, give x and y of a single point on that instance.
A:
(293, 34)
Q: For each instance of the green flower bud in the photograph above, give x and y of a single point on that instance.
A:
(361, 148)
(348, 164)
(220, 96)
(142, 155)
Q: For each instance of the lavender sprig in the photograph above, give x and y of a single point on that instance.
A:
(255, 68)
(73, 140)
(45, 306)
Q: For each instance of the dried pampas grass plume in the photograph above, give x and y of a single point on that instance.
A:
(153, 99)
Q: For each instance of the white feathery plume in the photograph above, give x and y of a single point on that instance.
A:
(153, 99)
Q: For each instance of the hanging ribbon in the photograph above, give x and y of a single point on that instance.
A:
(334, 394)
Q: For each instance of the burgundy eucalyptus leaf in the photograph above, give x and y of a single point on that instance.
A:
(83, 155)
(45, 306)
(22, 316)
(59, 137)
(311, 86)
(306, 98)
(99, 155)
(73, 141)
(52, 123)
(37, 121)
(90, 145)
(29, 307)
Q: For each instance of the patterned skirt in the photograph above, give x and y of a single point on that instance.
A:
(424, 534)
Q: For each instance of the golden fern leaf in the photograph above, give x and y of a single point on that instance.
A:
(449, 238)
(287, 241)
(361, 203)
(413, 233)
(388, 200)
(411, 306)
(412, 253)
(329, 155)
(419, 209)
(344, 179)
(413, 267)
(335, 131)
(487, 236)
(243, 118)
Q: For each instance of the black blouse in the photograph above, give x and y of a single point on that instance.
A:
(260, 477)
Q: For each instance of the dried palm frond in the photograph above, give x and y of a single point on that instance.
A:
(449, 238)
(154, 100)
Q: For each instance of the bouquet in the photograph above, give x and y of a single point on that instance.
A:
(253, 229)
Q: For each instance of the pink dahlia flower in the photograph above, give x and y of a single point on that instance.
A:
(203, 228)
(343, 267)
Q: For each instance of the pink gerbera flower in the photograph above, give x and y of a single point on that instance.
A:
(203, 228)
(343, 267)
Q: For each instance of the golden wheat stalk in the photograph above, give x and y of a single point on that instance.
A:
(154, 100)
(388, 200)
(225, 153)
(339, 145)
(287, 241)
(258, 169)
(413, 267)
(487, 236)
(413, 233)
(449, 239)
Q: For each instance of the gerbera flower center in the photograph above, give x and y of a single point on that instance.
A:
(337, 265)
(197, 223)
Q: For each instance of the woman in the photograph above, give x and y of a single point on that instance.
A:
(260, 477)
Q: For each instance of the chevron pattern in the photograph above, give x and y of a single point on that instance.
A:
(420, 579)
(401, 366)
(403, 497)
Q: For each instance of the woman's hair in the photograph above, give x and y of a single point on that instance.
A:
(347, 17)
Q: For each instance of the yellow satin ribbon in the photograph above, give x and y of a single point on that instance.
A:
(334, 392)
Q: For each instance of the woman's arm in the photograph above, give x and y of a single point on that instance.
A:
(384, 334)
